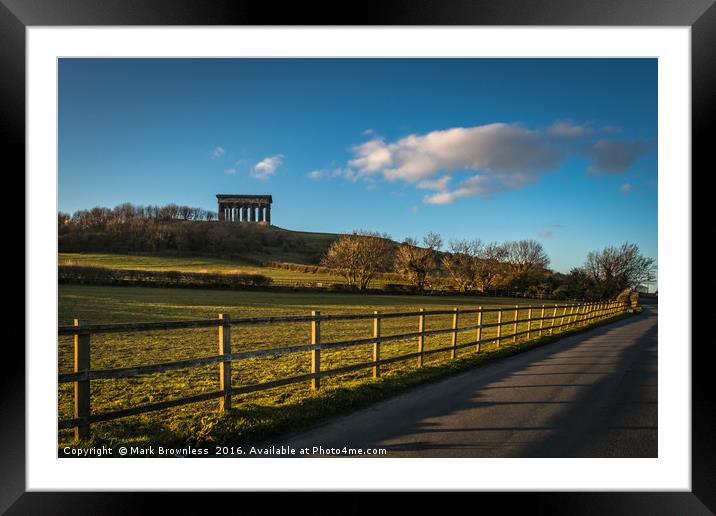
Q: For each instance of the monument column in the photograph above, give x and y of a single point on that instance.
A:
(261, 212)
(268, 214)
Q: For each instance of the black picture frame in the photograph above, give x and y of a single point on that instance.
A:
(700, 15)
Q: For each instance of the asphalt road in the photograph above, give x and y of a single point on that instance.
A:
(589, 395)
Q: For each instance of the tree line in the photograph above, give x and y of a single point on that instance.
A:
(103, 218)
(519, 266)
(173, 229)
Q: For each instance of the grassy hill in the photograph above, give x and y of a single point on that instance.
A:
(303, 246)
(241, 244)
(281, 254)
(152, 262)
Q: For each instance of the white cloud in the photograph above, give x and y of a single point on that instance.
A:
(499, 156)
(439, 184)
(625, 188)
(266, 167)
(481, 186)
(230, 171)
(345, 173)
(217, 152)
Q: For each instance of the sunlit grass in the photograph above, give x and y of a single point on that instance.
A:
(188, 264)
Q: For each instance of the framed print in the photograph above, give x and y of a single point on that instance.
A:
(416, 250)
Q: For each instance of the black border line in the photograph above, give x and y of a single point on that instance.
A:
(700, 15)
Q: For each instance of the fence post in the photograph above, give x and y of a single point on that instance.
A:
(225, 367)
(541, 321)
(529, 323)
(499, 327)
(514, 326)
(561, 319)
(569, 319)
(453, 354)
(316, 353)
(479, 328)
(421, 337)
(376, 345)
(566, 324)
(553, 321)
(82, 388)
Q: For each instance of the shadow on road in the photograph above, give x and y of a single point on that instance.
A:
(589, 395)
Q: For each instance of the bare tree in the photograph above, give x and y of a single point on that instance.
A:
(490, 265)
(525, 256)
(415, 263)
(359, 257)
(461, 262)
(433, 241)
(185, 213)
(616, 268)
(63, 222)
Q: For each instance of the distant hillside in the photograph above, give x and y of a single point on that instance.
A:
(251, 242)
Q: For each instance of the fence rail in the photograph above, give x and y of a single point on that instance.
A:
(82, 374)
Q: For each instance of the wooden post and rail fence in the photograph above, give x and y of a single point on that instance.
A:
(83, 374)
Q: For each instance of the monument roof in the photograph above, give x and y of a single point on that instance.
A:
(223, 197)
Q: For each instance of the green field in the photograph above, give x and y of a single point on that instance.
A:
(188, 264)
(256, 414)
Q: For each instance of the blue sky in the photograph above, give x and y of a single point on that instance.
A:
(559, 150)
